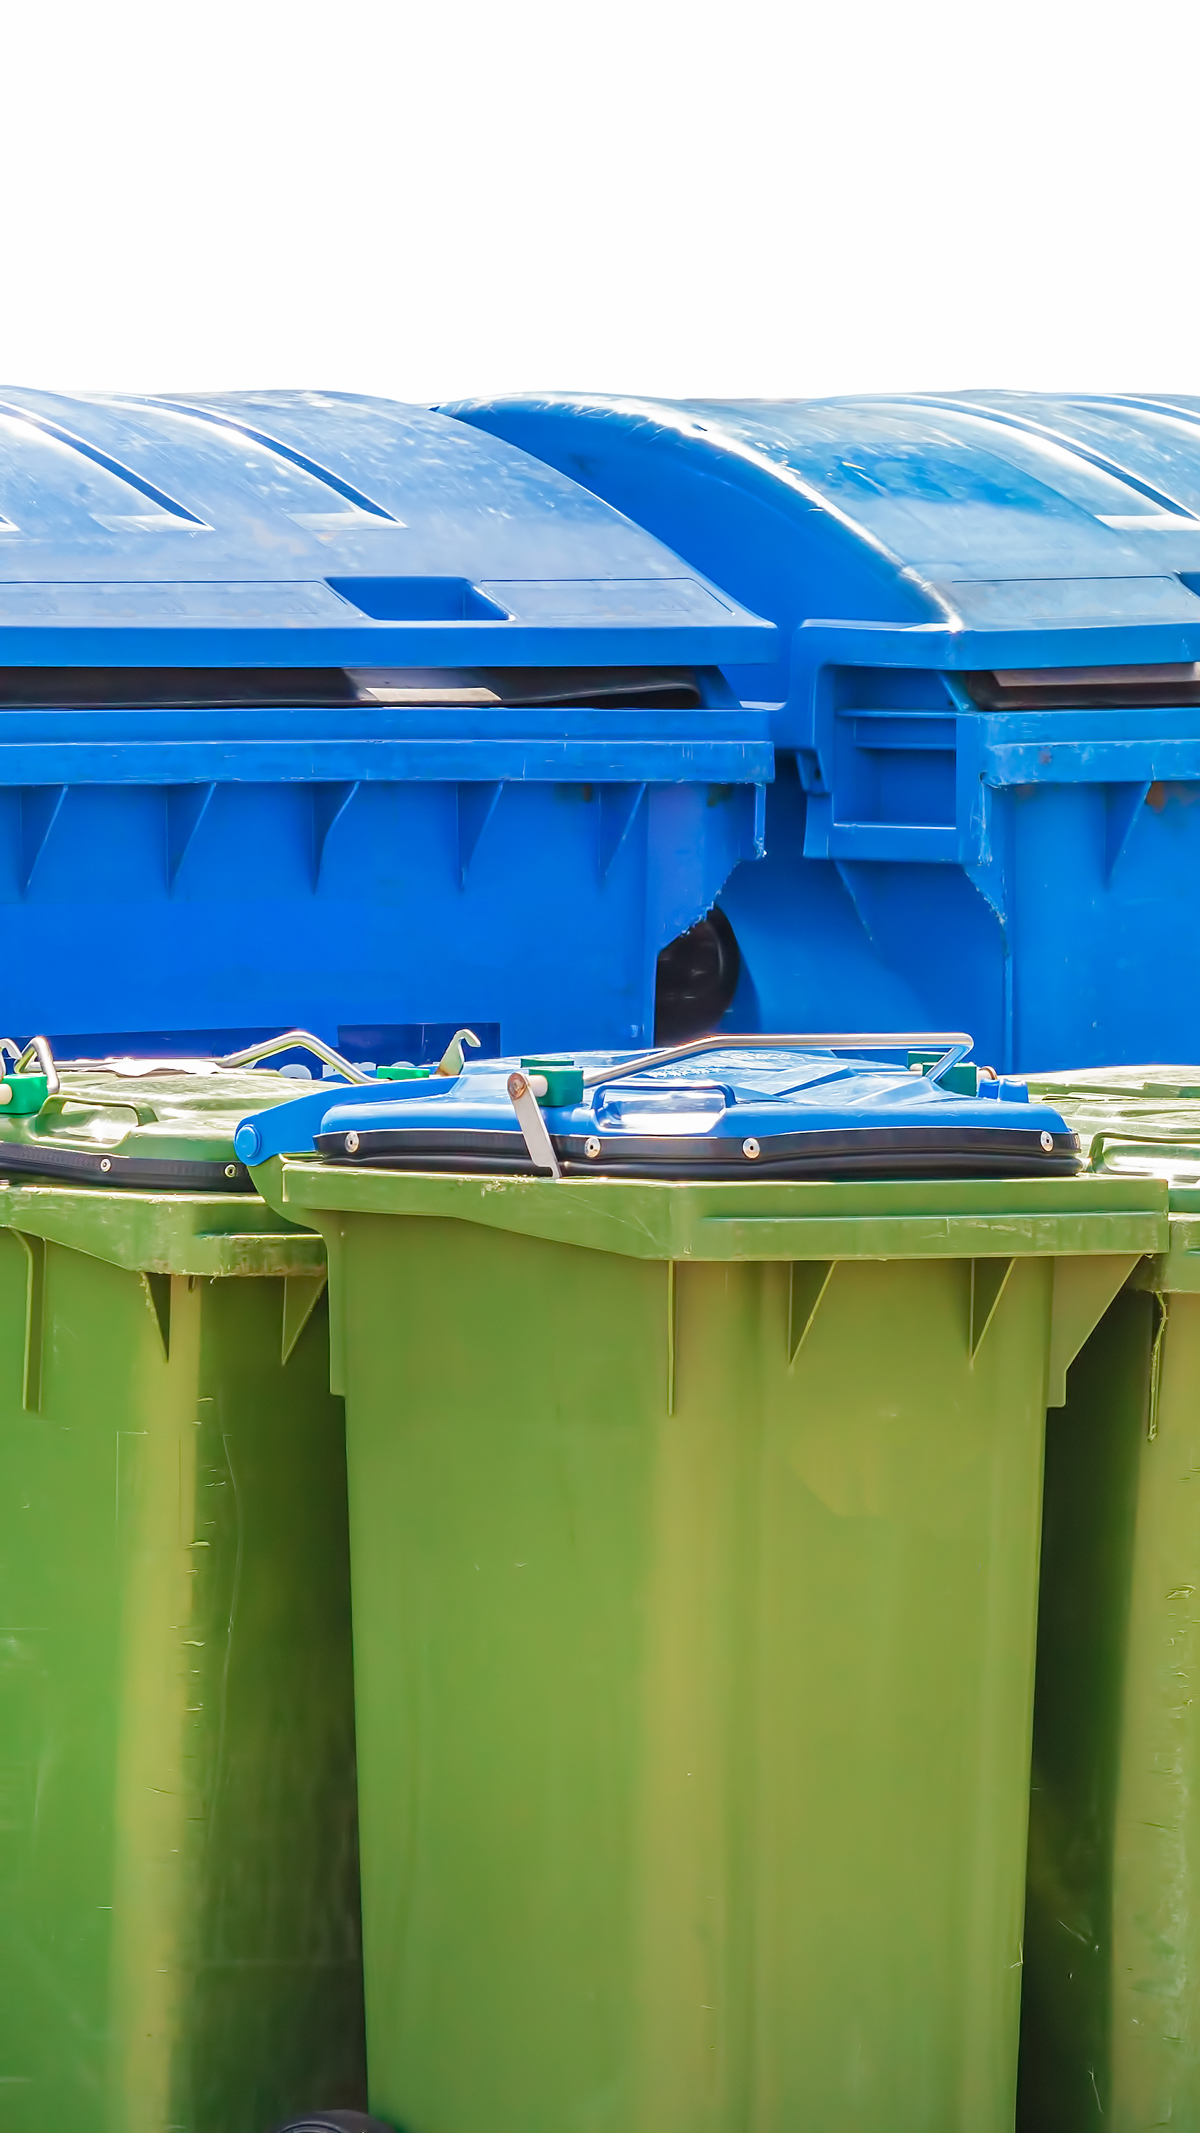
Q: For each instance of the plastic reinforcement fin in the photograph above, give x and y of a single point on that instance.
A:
(301, 1295)
(1083, 1291)
(187, 805)
(329, 804)
(158, 1296)
(989, 1279)
(808, 1279)
(1122, 806)
(41, 806)
(619, 806)
(477, 803)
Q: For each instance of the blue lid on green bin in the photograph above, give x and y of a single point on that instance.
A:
(719, 1107)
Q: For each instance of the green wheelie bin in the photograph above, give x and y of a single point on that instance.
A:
(695, 1495)
(1111, 2016)
(179, 1912)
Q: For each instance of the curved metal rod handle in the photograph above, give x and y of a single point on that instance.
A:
(957, 1045)
(38, 1048)
(294, 1040)
(1100, 1141)
(453, 1059)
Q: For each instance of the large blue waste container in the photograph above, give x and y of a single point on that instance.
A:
(326, 711)
(987, 702)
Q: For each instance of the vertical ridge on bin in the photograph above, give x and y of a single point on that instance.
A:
(186, 808)
(41, 806)
(476, 804)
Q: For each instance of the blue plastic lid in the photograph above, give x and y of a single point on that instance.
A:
(713, 1109)
(990, 509)
(322, 529)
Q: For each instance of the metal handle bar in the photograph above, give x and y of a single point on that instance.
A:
(37, 1048)
(957, 1044)
(293, 1040)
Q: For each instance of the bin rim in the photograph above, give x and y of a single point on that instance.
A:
(751, 1220)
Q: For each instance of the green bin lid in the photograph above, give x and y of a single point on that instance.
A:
(155, 1124)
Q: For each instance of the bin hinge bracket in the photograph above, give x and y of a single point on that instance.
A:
(989, 1280)
(301, 1295)
(808, 1280)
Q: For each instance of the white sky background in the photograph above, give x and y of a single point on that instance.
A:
(431, 200)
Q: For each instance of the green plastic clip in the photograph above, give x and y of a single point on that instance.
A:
(22, 1094)
(563, 1079)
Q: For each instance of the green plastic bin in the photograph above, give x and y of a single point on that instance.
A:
(1111, 2015)
(694, 1539)
(179, 1914)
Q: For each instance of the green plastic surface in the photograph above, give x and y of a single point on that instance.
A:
(146, 1109)
(694, 1554)
(179, 1920)
(1111, 2017)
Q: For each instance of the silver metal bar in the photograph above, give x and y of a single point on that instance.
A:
(38, 1048)
(533, 1125)
(955, 1041)
(294, 1040)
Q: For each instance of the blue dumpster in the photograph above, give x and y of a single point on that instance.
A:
(986, 699)
(326, 711)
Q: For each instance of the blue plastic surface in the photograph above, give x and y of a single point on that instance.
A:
(1028, 871)
(356, 856)
(740, 1104)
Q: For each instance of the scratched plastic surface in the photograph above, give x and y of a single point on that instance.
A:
(179, 1921)
(1019, 865)
(1110, 2023)
(694, 1579)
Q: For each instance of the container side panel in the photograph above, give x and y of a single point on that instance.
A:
(1156, 1907)
(900, 1510)
(694, 1686)
(152, 1794)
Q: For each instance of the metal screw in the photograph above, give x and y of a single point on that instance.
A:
(591, 1146)
(351, 1143)
(751, 1150)
(104, 1163)
(231, 1170)
(1047, 1142)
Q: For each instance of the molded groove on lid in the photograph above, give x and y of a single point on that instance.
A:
(62, 435)
(312, 467)
(1170, 511)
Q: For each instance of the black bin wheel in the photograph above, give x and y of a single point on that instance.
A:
(335, 2122)
(697, 978)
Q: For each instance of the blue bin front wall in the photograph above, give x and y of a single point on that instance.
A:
(1093, 958)
(538, 906)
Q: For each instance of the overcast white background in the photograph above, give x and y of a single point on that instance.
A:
(746, 199)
